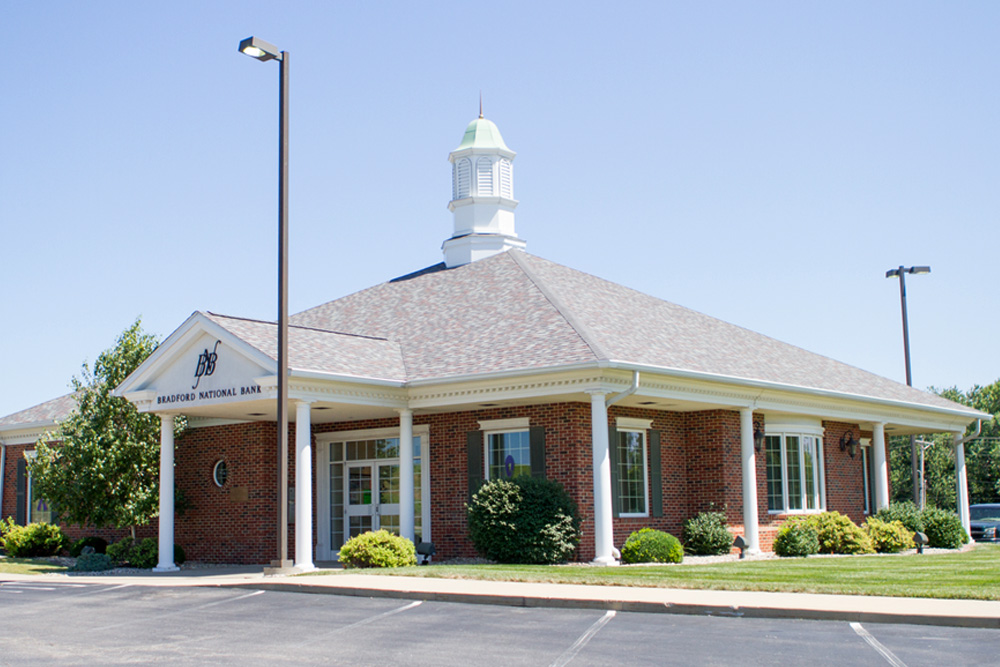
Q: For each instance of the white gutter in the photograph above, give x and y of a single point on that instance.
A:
(971, 436)
(611, 400)
(967, 413)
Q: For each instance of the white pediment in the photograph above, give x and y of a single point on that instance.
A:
(200, 364)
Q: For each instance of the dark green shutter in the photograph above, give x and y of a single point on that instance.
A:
(21, 496)
(616, 501)
(536, 439)
(474, 453)
(655, 478)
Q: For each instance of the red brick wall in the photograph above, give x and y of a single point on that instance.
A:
(700, 466)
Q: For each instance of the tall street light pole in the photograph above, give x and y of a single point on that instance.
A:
(901, 273)
(261, 50)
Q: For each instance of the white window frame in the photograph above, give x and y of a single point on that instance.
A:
(641, 426)
(29, 489)
(802, 431)
(500, 427)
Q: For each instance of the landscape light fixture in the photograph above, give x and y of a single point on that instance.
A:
(741, 544)
(261, 50)
(901, 274)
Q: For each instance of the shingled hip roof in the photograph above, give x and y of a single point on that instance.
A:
(518, 312)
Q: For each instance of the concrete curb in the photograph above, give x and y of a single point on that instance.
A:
(742, 611)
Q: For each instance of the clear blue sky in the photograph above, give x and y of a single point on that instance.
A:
(764, 163)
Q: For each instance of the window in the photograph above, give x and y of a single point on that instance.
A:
(508, 454)
(502, 449)
(38, 509)
(633, 492)
(795, 479)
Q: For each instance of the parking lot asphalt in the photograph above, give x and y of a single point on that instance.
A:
(862, 609)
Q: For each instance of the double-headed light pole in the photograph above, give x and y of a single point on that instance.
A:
(261, 50)
(901, 273)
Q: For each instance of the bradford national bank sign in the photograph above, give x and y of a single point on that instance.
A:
(209, 371)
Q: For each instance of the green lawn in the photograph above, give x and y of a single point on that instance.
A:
(28, 566)
(973, 574)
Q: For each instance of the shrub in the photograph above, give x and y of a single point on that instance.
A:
(99, 544)
(888, 536)
(837, 534)
(906, 513)
(35, 539)
(796, 538)
(94, 562)
(523, 520)
(378, 548)
(652, 546)
(943, 529)
(706, 534)
(144, 554)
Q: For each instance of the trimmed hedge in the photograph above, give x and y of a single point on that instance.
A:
(706, 534)
(906, 513)
(652, 546)
(943, 529)
(888, 536)
(523, 520)
(144, 554)
(33, 540)
(796, 538)
(837, 534)
(378, 548)
(94, 562)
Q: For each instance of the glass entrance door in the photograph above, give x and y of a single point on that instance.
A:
(372, 497)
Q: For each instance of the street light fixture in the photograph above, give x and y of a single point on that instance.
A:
(901, 273)
(261, 50)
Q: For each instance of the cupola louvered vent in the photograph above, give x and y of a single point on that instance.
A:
(461, 179)
(506, 178)
(484, 176)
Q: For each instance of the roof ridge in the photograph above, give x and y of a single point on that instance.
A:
(582, 330)
(299, 326)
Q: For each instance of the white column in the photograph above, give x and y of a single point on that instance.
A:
(303, 487)
(881, 467)
(166, 546)
(749, 482)
(961, 483)
(604, 539)
(406, 499)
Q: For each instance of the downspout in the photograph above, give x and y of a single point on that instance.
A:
(611, 400)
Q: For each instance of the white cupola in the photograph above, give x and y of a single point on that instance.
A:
(482, 196)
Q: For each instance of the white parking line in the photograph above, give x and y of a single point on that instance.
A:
(889, 656)
(370, 619)
(186, 610)
(571, 652)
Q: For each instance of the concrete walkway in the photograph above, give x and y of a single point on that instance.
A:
(923, 611)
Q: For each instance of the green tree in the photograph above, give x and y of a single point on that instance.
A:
(102, 467)
(982, 456)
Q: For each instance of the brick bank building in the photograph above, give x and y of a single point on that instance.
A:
(405, 396)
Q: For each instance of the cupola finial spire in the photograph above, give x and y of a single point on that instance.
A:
(480, 104)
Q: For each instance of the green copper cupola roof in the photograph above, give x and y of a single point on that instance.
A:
(482, 133)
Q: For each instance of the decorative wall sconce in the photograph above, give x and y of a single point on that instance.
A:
(758, 438)
(848, 442)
